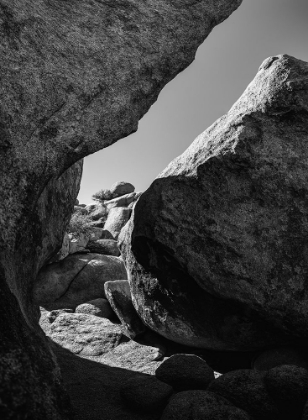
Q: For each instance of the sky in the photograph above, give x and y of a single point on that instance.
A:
(224, 66)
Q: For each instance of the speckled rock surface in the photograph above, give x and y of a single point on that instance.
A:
(216, 247)
(86, 335)
(76, 77)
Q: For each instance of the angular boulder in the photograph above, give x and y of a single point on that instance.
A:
(73, 82)
(76, 280)
(217, 246)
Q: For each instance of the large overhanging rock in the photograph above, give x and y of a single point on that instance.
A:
(29, 377)
(76, 76)
(218, 251)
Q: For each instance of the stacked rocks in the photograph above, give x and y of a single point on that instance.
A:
(184, 387)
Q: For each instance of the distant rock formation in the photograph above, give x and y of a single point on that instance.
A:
(217, 246)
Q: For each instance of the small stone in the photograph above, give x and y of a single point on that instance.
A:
(146, 393)
(202, 405)
(185, 372)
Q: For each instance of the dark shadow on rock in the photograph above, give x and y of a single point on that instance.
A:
(94, 388)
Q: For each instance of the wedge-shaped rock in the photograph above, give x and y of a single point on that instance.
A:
(119, 296)
(217, 246)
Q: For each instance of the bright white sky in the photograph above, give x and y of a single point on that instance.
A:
(225, 64)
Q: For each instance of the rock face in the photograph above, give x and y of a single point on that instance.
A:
(76, 279)
(218, 242)
(76, 77)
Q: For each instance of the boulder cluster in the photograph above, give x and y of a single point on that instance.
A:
(89, 256)
(184, 387)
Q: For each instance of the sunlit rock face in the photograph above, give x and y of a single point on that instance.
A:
(217, 246)
(76, 76)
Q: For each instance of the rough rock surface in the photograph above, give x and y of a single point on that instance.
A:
(86, 335)
(76, 77)
(233, 276)
(201, 405)
(118, 294)
(76, 279)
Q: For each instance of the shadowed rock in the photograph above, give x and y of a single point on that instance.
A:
(217, 246)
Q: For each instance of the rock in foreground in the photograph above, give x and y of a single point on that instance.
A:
(216, 247)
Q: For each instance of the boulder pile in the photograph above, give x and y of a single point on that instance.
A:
(89, 256)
